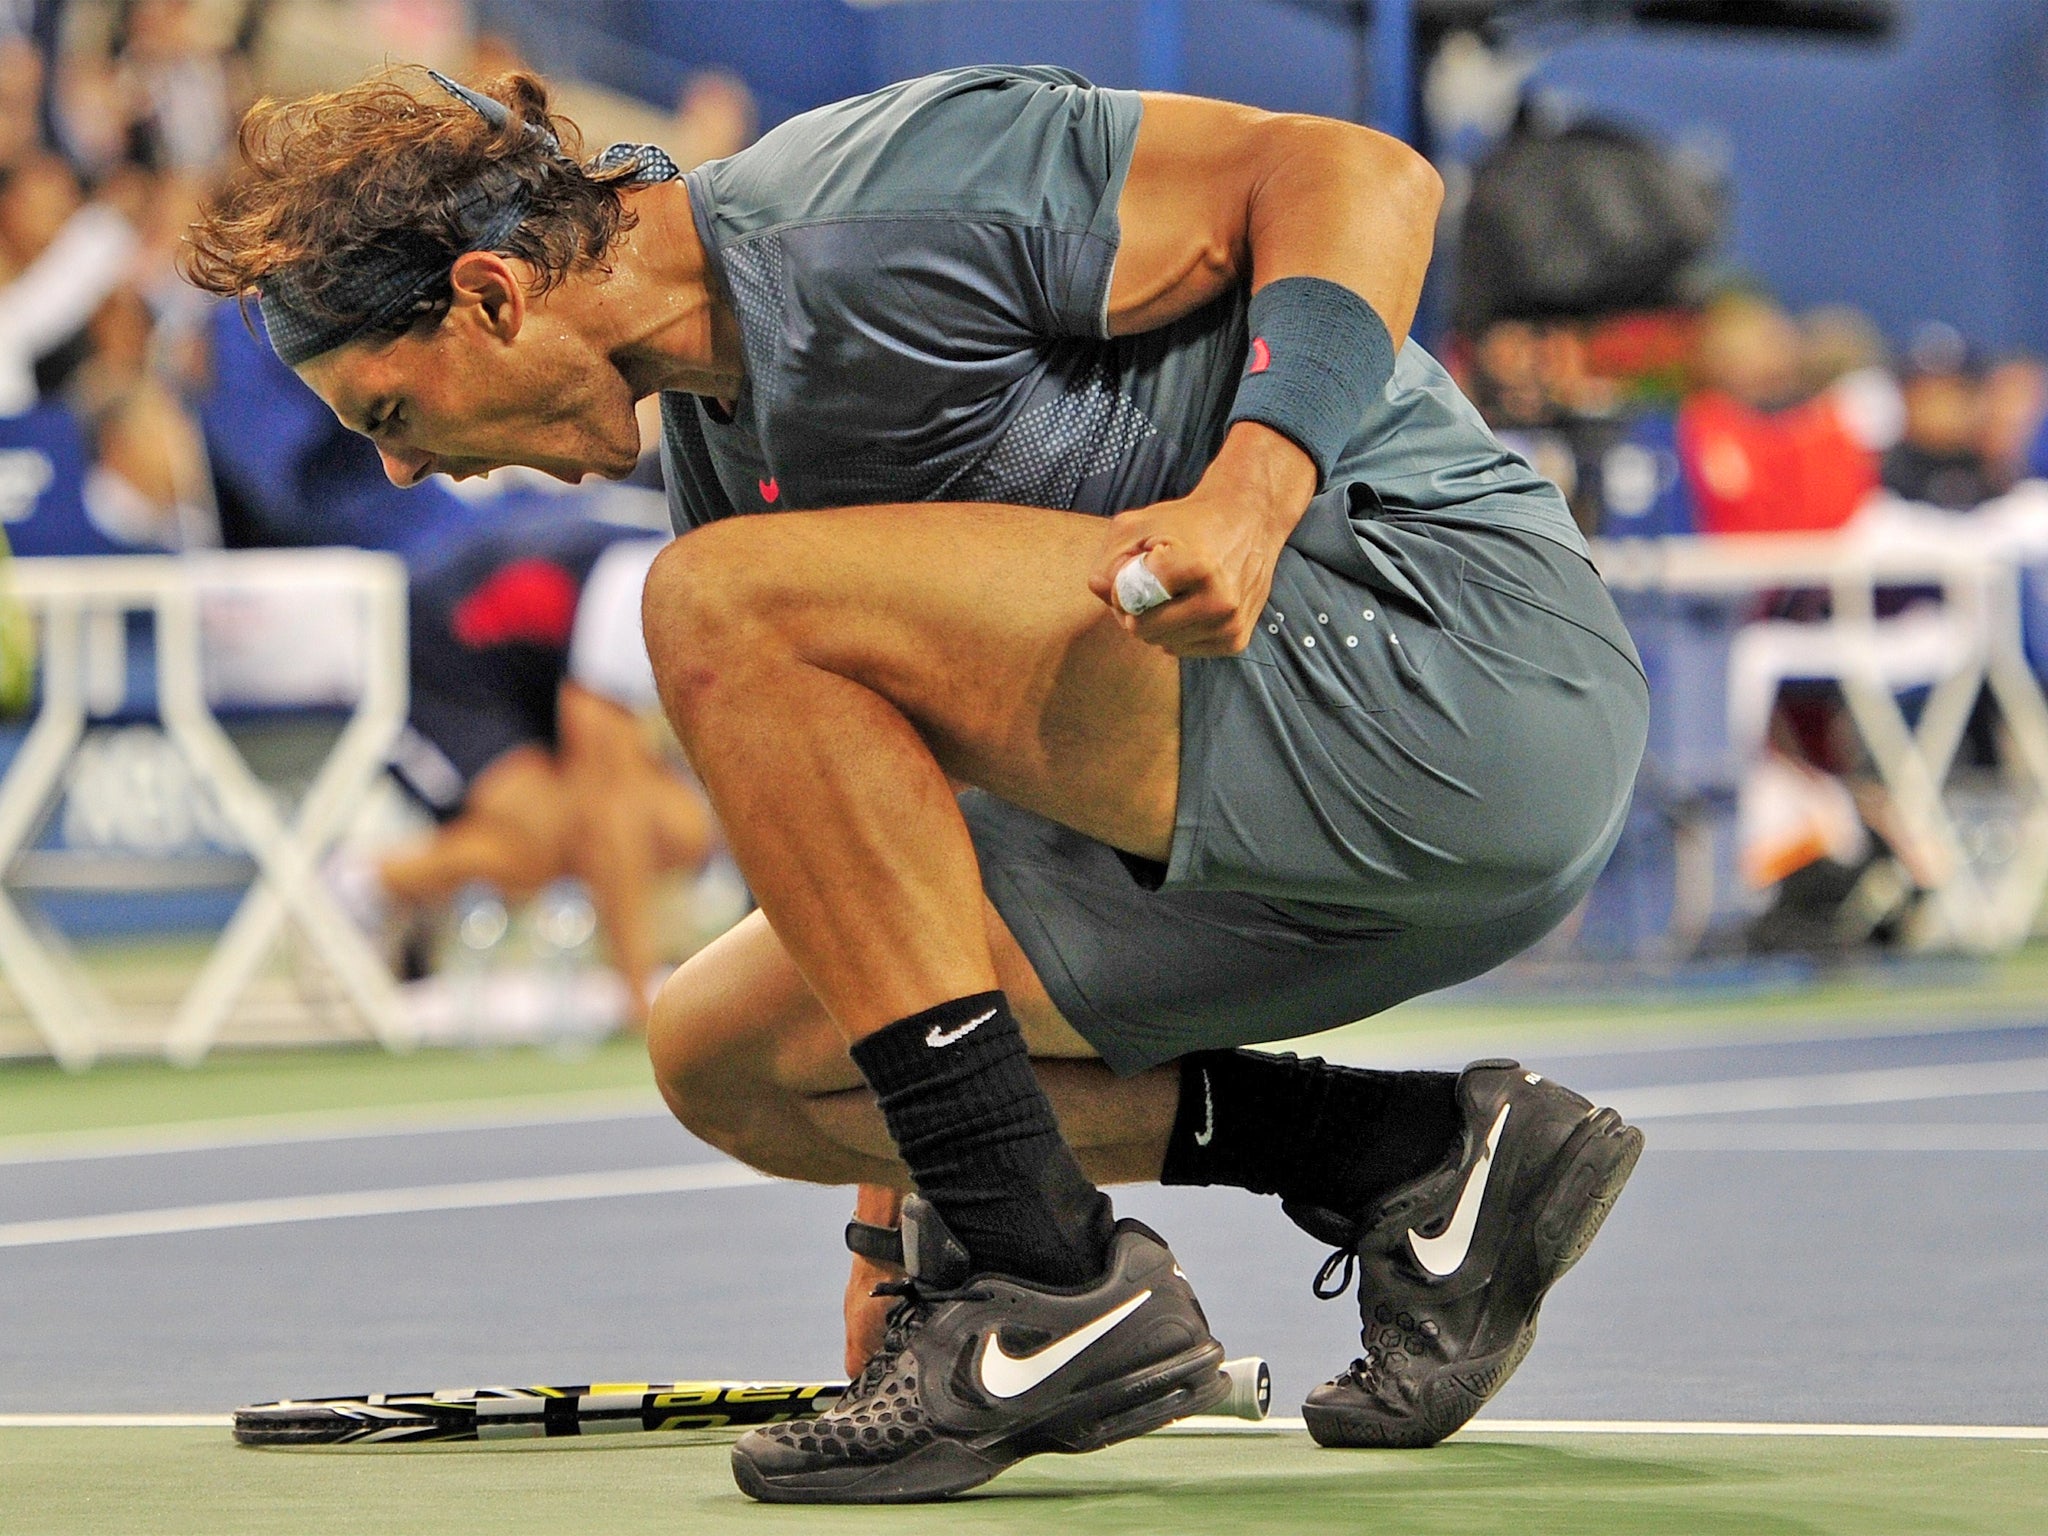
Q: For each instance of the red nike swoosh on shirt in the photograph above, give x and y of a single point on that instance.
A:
(770, 490)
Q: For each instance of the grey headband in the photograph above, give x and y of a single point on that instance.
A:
(408, 274)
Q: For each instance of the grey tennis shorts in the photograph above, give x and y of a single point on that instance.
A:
(1413, 773)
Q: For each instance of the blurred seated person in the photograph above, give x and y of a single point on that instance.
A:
(1940, 458)
(1760, 453)
(526, 739)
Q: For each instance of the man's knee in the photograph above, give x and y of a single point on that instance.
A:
(708, 1078)
(707, 609)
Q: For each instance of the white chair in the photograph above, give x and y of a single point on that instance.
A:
(1967, 644)
(237, 600)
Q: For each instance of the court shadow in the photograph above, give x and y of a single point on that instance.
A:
(578, 1445)
(1463, 1490)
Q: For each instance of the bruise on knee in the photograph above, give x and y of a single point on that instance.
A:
(704, 619)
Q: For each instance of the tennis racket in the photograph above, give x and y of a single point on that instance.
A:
(611, 1407)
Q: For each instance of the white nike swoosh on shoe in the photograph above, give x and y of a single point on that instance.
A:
(1441, 1255)
(1207, 1133)
(1004, 1375)
(937, 1037)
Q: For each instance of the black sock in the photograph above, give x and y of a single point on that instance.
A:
(1326, 1138)
(978, 1135)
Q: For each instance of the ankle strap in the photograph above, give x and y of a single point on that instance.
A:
(880, 1245)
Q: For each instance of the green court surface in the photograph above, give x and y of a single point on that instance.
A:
(39, 1098)
(169, 1482)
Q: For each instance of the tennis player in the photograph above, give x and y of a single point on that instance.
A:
(980, 341)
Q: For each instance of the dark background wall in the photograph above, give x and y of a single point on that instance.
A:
(1909, 178)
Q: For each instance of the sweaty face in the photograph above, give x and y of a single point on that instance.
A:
(461, 398)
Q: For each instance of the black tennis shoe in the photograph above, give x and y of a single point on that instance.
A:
(1453, 1266)
(978, 1371)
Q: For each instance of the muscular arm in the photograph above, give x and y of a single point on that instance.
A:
(1217, 194)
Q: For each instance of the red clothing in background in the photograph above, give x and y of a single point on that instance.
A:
(1751, 471)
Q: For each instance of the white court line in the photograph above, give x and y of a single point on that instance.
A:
(117, 1421)
(1785, 1431)
(498, 1114)
(1911, 1136)
(1206, 1424)
(1832, 1090)
(1218, 1424)
(1549, 1039)
(478, 1195)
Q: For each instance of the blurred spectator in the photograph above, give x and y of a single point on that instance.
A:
(1523, 374)
(21, 87)
(162, 88)
(529, 674)
(1751, 352)
(60, 258)
(1760, 454)
(1842, 352)
(1940, 459)
(2015, 404)
(1588, 403)
(181, 87)
(149, 485)
(715, 116)
(1536, 387)
(75, 326)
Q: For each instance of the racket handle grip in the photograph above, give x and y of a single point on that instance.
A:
(1137, 589)
(1251, 1389)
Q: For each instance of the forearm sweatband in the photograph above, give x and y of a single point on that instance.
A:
(1319, 357)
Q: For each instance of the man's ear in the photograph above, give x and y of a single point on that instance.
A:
(484, 283)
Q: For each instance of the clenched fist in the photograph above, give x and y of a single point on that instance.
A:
(1214, 549)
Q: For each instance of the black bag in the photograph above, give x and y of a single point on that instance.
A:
(1577, 223)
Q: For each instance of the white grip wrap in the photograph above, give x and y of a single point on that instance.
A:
(1251, 1389)
(1137, 589)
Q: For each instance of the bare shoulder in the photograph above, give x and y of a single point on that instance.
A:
(1186, 214)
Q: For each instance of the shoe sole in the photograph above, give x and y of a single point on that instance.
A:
(1600, 1156)
(1594, 1163)
(1115, 1411)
